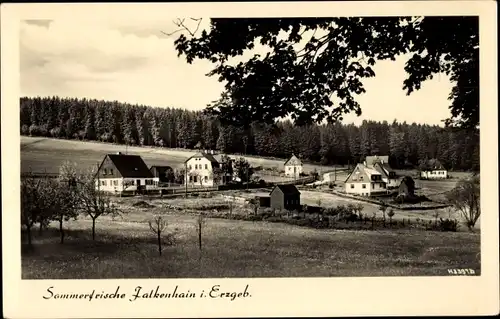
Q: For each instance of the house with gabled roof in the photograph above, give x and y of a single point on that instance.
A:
(285, 197)
(381, 164)
(433, 169)
(365, 181)
(293, 167)
(200, 170)
(119, 173)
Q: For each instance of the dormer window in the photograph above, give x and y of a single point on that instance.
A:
(105, 171)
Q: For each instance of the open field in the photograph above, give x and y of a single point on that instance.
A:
(126, 248)
(47, 154)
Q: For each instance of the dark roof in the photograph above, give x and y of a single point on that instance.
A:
(287, 189)
(130, 165)
(159, 167)
(293, 157)
(208, 156)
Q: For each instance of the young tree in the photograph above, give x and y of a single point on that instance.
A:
(465, 197)
(93, 201)
(383, 209)
(390, 214)
(30, 204)
(157, 225)
(243, 170)
(67, 193)
(200, 223)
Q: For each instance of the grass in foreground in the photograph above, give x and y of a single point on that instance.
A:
(126, 249)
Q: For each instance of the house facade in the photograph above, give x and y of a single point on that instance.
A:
(434, 174)
(120, 173)
(293, 167)
(285, 197)
(200, 170)
(365, 181)
(381, 164)
(433, 169)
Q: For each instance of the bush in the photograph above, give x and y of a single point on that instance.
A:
(25, 130)
(448, 225)
(34, 130)
(331, 185)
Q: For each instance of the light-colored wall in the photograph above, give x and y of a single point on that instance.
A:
(357, 188)
(391, 182)
(289, 170)
(441, 174)
(203, 167)
(370, 188)
(117, 184)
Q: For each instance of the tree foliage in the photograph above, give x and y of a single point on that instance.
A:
(465, 198)
(306, 61)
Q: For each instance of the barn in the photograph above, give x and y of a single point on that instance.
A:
(285, 197)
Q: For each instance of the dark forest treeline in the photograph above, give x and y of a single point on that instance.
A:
(90, 119)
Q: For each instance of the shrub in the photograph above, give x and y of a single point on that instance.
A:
(25, 130)
(34, 130)
(448, 225)
(331, 185)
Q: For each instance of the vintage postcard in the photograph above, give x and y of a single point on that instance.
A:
(273, 159)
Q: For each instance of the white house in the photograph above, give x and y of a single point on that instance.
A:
(119, 173)
(381, 164)
(433, 169)
(365, 181)
(200, 170)
(293, 167)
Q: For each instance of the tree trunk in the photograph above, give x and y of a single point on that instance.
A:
(93, 228)
(61, 230)
(40, 230)
(199, 238)
(28, 234)
(159, 242)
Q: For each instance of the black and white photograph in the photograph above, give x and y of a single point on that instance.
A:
(204, 146)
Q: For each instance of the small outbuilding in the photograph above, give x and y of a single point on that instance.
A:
(407, 187)
(285, 197)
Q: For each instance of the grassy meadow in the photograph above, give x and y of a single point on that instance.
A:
(46, 154)
(231, 248)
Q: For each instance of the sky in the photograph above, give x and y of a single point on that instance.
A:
(134, 62)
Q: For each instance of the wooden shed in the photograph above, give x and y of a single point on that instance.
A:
(285, 197)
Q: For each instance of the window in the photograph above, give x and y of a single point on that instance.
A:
(195, 179)
(104, 183)
(115, 182)
(352, 185)
(206, 166)
(364, 185)
(373, 185)
(361, 178)
(190, 178)
(189, 167)
(195, 166)
(381, 185)
(206, 178)
(105, 171)
(111, 171)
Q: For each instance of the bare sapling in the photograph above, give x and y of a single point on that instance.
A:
(157, 225)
